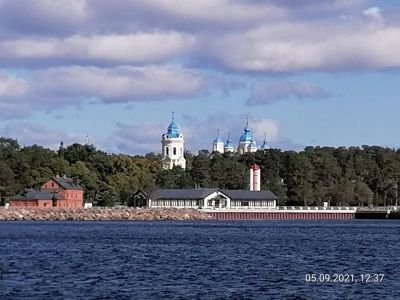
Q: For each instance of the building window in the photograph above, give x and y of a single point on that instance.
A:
(52, 184)
(174, 151)
(245, 203)
(167, 151)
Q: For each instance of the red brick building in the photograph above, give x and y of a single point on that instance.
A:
(58, 192)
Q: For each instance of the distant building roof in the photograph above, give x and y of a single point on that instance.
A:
(202, 193)
(246, 194)
(67, 183)
(33, 195)
(183, 193)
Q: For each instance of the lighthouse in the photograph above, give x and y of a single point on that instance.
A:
(255, 178)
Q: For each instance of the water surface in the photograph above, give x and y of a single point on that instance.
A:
(197, 260)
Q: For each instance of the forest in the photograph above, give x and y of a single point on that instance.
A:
(358, 176)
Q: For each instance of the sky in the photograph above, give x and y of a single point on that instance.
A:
(316, 72)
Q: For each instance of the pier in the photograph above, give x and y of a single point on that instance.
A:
(390, 212)
(305, 213)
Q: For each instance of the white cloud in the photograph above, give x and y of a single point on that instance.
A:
(146, 137)
(29, 134)
(12, 87)
(264, 93)
(135, 48)
(136, 138)
(374, 12)
(299, 47)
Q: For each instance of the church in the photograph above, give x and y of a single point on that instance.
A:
(173, 148)
(247, 143)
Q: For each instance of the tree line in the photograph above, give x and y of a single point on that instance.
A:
(367, 175)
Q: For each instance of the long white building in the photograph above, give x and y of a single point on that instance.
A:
(206, 199)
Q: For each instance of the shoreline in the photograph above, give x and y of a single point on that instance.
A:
(106, 214)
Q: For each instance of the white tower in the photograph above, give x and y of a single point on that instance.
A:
(218, 144)
(255, 178)
(173, 147)
(245, 140)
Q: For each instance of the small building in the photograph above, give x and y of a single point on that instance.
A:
(205, 199)
(56, 192)
(36, 198)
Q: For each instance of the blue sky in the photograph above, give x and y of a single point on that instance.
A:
(320, 72)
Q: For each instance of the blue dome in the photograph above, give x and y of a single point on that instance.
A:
(246, 136)
(228, 144)
(265, 145)
(172, 126)
(173, 130)
(252, 144)
(218, 140)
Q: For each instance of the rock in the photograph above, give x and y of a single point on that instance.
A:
(52, 214)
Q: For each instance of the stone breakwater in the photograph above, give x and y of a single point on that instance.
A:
(60, 214)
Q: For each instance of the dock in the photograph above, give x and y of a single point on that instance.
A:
(305, 213)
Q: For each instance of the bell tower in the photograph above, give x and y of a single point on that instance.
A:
(173, 149)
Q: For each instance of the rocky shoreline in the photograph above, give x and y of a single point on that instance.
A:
(103, 214)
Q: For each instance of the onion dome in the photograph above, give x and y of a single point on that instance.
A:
(218, 139)
(252, 145)
(246, 136)
(265, 145)
(173, 129)
(228, 145)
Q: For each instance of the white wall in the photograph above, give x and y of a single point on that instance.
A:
(173, 151)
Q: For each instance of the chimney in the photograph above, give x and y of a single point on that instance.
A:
(75, 181)
(65, 176)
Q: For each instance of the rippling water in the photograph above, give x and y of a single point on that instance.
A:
(197, 260)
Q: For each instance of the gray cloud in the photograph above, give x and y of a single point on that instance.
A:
(49, 89)
(230, 35)
(88, 17)
(268, 92)
(42, 17)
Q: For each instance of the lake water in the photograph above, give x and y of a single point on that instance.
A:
(198, 260)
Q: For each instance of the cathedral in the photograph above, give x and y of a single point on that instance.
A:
(173, 149)
(247, 143)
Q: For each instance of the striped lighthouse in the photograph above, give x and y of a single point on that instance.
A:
(255, 178)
